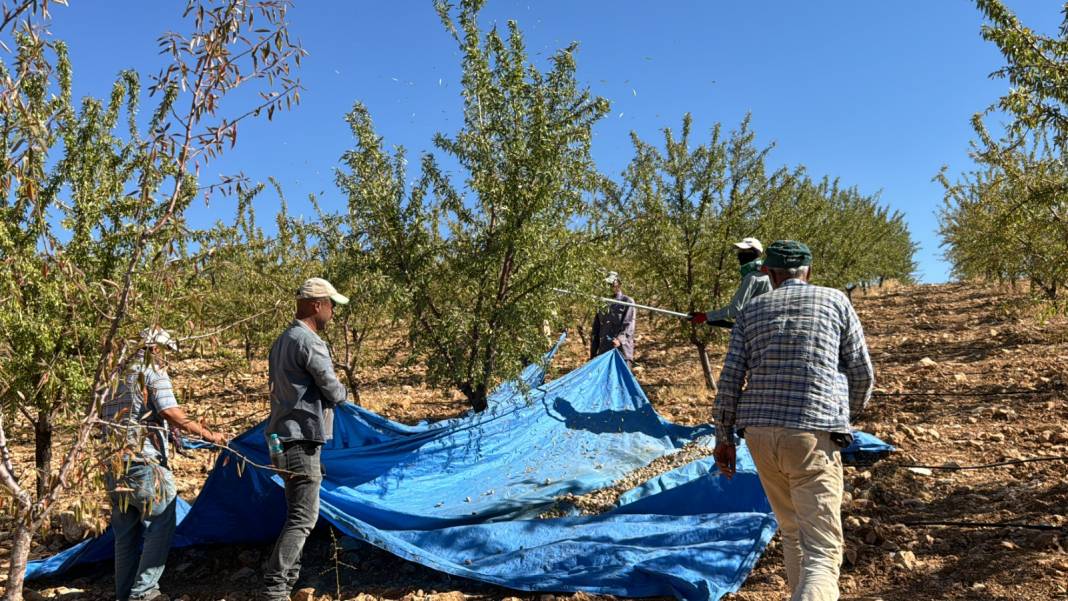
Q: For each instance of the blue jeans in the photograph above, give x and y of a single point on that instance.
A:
(142, 508)
(302, 503)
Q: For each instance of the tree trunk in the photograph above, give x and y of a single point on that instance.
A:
(582, 325)
(478, 403)
(706, 366)
(43, 452)
(20, 554)
(354, 384)
(489, 363)
(476, 396)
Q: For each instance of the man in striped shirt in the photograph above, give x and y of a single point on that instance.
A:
(800, 355)
(140, 482)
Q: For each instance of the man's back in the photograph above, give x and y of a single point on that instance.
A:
(800, 349)
(140, 415)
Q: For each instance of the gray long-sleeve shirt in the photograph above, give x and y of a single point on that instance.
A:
(612, 322)
(753, 284)
(304, 387)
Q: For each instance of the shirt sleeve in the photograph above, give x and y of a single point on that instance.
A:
(321, 367)
(731, 380)
(160, 390)
(628, 323)
(738, 301)
(856, 363)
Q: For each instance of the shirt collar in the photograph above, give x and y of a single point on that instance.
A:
(750, 267)
(794, 282)
(300, 323)
(137, 361)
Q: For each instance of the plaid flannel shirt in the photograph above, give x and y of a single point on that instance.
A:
(799, 353)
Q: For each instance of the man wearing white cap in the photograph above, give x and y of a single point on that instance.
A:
(613, 326)
(304, 391)
(140, 481)
(753, 284)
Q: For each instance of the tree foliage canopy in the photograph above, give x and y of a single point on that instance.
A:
(91, 216)
(475, 261)
(1008, 217)
(677, 211)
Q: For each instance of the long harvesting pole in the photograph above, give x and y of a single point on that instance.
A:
(625, 304)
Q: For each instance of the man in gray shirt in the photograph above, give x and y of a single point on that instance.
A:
(753, 284)
(304, 391)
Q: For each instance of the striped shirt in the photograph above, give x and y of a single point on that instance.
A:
(144, 426)
(800, 353)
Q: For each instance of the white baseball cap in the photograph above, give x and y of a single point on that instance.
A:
(157, 336)
(612, 278)
(319, 288)
(750, 243)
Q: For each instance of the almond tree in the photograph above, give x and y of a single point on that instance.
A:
(474, 263)
(240, 281)
(1008, 218)
(91, 215)
(676, 214)
(677, 211)
(855, 240)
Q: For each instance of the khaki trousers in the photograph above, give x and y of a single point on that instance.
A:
(801, 472)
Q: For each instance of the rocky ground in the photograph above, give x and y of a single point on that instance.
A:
(968, 375)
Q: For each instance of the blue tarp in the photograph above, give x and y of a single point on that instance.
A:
(462, 495)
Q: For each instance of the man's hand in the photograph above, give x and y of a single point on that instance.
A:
(616, 343)
(177, 418)
(697, 317)
(725, 457)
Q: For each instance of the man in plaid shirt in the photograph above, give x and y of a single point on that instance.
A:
(799, 353)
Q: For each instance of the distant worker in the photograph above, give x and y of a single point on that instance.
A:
(140, 482)
(304, 390)
(799, 352)
(613, 325)
(753, 284)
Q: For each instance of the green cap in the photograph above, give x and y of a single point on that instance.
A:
(787, 254)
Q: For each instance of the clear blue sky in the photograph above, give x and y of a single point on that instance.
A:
(877, 93)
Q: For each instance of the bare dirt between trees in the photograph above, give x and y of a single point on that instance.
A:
(966, 375)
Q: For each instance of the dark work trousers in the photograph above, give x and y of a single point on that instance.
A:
(302, 503)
